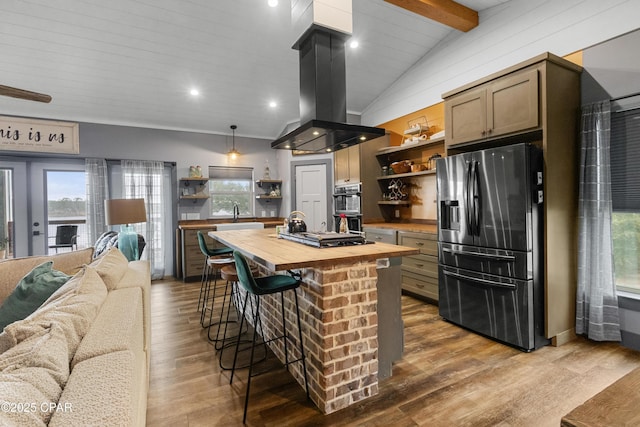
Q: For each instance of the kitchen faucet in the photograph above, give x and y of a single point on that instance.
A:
(236, 212)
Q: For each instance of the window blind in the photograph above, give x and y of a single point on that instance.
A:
(625, 160)
(226, 172)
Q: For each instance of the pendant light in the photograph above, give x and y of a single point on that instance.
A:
(233, 153)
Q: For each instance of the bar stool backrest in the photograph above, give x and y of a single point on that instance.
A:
(244, 274)
(203, 244)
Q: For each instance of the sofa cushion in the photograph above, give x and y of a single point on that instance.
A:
(102, 391)
(73, 306)
(32, 376)
(111, 266)
(118, 326)
(32, 290)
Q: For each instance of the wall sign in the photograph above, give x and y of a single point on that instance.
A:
(38, 136)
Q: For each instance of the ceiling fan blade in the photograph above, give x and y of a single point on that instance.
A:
(24, 94)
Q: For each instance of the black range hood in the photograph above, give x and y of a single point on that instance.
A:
(323, 105)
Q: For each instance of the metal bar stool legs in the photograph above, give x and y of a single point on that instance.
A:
(215, 265)
(259, 287)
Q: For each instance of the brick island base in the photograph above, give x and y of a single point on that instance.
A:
(340, 308)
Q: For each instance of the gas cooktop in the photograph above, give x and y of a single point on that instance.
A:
(326, 239)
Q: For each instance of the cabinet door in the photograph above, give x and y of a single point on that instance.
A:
(354, 163)
(341, 166)
(512, 103)
(465, 117)
(347, 165)
(382, 235)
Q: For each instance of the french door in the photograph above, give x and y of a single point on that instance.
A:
(14, 224)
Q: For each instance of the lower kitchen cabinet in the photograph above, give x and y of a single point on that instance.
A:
(420, 272)
(382, 235)
(191, 259)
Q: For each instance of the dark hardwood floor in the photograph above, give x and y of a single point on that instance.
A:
(447, 377)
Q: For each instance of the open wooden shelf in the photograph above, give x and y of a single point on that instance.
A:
(406, 175)
(394, 202)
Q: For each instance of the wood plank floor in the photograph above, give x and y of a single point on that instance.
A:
(447, 377)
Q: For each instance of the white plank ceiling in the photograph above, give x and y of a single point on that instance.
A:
(133, 62)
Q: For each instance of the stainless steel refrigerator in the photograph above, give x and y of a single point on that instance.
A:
(490, 243)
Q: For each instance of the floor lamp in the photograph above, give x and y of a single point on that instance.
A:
(125, 212)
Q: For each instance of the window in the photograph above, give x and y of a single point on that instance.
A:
(229, 186)
(625, 190)
(66, 207)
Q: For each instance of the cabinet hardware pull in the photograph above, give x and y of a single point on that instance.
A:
(419, 244)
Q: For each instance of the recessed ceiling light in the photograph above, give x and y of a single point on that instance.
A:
(272, 3)
(273, 104)
(354, 44)
(194, 92)
(363, 138)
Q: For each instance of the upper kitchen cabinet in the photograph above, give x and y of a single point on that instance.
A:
(506, 105)
(347, 165)
(356, 164)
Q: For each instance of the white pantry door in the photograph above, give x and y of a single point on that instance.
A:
(311, 195)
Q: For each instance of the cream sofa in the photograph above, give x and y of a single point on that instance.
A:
(82, 358)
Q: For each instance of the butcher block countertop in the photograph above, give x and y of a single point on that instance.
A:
(263, 247)
(404, 226)
(200, 224)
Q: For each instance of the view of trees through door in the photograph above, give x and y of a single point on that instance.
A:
(66, 211)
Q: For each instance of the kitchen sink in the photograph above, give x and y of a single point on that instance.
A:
(239, 226)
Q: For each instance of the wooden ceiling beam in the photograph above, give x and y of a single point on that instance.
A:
(447, 12)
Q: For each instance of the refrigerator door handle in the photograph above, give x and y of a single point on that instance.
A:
(502, 258)
(476, 199)
(476, 280)
(468, 200)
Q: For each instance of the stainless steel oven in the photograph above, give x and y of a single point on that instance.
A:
(347, 201)
(354, 222)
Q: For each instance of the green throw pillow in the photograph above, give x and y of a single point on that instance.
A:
(32, 290)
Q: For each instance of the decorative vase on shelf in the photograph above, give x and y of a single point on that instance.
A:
(267, 172)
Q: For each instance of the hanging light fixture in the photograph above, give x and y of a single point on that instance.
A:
(233, 153)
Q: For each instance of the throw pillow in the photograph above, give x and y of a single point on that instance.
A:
(32, 290)
(111, 267)
(74, 307)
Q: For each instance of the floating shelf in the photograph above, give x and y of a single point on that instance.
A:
(390, 150)
(406, 175)
(267, 197)
(261, 182)
(194, 196)
(395, 202)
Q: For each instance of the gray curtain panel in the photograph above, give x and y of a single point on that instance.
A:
(596, 302)
(97, 189)
(143, 180)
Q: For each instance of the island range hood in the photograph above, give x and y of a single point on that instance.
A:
(323, 105)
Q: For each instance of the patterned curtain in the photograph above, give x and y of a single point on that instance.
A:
(143, 180)
(97, 192)
(596, 303)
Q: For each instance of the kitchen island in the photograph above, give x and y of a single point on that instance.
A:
(350, 310)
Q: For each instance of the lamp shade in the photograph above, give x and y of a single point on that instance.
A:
(124, 211)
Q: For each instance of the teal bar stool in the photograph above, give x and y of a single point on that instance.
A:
(258, 287)
(212, 263)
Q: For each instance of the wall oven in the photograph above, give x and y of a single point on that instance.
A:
(347, 201)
